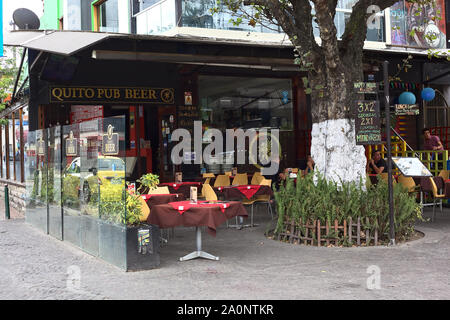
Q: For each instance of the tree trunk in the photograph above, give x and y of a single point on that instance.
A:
(333, 142)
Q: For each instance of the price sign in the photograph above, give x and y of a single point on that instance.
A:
(406, 109)
(368, 122)
(366, 87)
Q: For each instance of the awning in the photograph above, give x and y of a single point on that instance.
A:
(59, 42)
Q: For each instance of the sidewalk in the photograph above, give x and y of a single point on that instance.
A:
(36, 266)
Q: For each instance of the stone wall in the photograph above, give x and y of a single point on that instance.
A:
(16, 196)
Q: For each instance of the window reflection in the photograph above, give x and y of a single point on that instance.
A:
(109, 16)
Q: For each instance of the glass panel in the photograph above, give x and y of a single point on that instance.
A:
(24, 136)
(36, 179)
(11, 142)
(109, 16)
(89, 186)
(167, 15)
(54, 182)
(154, 20)
(17, 145)
(3, 171)
(71, 166)
(112, 206)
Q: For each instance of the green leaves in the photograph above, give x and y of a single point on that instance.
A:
(326, 201)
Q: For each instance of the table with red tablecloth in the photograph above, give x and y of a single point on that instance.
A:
(156, 199)
(204, 213)
(243, 191)
(182, 187)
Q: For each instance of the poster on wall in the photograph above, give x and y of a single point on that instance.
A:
(411, 22)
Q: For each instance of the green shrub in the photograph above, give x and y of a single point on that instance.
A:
(327, 201)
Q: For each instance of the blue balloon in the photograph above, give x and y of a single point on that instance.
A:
(407, 98)
(428, 94)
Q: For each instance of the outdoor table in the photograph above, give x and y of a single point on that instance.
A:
(182, 187)
(425, 185)
(204, 213)
(244, 191)
(155, 199)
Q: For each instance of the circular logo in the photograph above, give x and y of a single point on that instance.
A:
(265, 146)
(110, 132)
(167, 95)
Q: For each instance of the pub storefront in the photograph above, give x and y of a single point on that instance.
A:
(75, 181)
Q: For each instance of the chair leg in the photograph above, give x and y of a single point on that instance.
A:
(434, 209)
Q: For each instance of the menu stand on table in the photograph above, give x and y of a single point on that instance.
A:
(199, 253)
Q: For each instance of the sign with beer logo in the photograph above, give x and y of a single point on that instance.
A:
(63, 94)
(366, 87)
(368, 122)
(110, 146)
(41, 147)
(406, 109)
(71, 145)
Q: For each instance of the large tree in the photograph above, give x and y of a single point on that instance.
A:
(333, 66)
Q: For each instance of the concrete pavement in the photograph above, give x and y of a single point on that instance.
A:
(36, 266)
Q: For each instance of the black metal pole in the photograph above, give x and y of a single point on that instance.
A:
(389, 155)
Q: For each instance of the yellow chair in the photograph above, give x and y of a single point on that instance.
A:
(294, 170)
(257, 178)
(222, 180)
(228, 173)
(160, 190)
(209, 175)
(384, 176)
(265, 198)
(240, 179)
(436, 196)
(145, 210)
(209, 193)
(444, 174)
(408, 183)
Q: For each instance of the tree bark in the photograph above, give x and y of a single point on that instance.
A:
(333, 142)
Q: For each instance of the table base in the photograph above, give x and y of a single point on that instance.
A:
(199, 253)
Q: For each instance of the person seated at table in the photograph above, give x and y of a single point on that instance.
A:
(432, 143)
(377, 164)
(309, 165)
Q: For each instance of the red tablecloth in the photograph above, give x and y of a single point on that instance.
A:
(183, 206)
(245, 191)
(166, 216)
(156, 199)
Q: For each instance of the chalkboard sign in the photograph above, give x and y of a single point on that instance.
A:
(366, 87)
(368, 122)
(406, 109)
(186, 117)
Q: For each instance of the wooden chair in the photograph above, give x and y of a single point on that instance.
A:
(222, 180)
(444, 174)
(228, 173)
(240, 179)
(209, 193)
(257, 178)
(160, 190)
(265, 198)
(436, 196)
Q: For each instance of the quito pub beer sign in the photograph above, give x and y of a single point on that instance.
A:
(110, 145)
(62, 94)
(368, 122)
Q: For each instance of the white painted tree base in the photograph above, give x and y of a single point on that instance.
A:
(335, 153)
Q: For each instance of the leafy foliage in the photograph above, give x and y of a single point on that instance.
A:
(326, 201)
(8, 71)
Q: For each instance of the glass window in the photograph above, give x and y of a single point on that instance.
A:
(196, 13)
(109, 16)
(247, 103)
(11, 138)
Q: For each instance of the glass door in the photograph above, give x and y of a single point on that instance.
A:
(55, 219)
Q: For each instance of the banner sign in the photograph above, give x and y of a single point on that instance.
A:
(71, 146)
(368, 122)
(63, 94)
(406, 109)
(366, 87)
(41, 147)
(110, 145)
